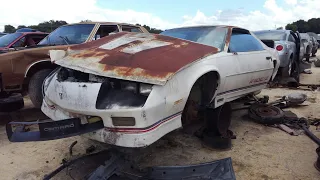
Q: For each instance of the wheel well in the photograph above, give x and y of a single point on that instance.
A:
(35, 68)
(39, 66)
(200, 96)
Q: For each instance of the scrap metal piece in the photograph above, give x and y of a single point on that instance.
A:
(287, 129)
(296, 98)
(218, 170)
(50, 130)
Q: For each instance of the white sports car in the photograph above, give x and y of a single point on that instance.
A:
(130, 89)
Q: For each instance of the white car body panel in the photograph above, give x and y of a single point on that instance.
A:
(239, 75)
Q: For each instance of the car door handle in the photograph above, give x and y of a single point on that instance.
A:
(268, 58)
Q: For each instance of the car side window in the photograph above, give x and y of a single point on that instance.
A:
(291, 38)
(105, 30)
(131, 29)
(20, 43)
(244, 42)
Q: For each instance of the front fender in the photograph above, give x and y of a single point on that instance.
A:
(179, 87)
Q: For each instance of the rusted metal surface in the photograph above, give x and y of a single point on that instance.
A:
(139, 57)
(13, 65)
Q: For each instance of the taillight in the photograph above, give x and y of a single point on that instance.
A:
(279, 48)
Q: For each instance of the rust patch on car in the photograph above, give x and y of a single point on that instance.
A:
(136, 56)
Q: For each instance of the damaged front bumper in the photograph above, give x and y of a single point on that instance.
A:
(49, 130)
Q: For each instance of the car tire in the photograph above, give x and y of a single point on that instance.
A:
(12, 103)
(295, 71)
(35, 87)
(285, 71)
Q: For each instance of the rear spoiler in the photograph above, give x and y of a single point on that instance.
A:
(269, 43)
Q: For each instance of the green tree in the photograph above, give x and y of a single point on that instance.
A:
(9, 29)
(49, 26)
(314, 25)
(292, 27)
(21, 26)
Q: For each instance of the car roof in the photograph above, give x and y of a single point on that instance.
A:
(274, 30)
(101, 22)
(25, 33)
(225, 26)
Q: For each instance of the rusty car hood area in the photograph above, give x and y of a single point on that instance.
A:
(147, 58)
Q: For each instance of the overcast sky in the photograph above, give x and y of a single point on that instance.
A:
(163, 14)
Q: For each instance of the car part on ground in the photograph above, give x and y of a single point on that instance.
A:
(216, 133)
(49, 130)
(317, 62)
(266, 114)
(21, 65)
(12, 103)
(116, 167)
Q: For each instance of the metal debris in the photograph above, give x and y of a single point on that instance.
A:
(307, 71)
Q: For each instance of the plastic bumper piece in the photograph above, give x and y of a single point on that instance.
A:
(49, 130)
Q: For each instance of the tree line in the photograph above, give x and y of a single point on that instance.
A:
(49, 26)
(312, 25)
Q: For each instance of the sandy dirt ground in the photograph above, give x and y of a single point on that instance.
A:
(259, 152)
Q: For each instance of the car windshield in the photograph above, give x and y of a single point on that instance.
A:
(71, 34)
(8, 39)
(211, 36)
(271, 35)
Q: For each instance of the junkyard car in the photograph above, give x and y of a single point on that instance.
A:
(288, 45)
(315, 39)
(24, 70)
(17, 40)
(307, 42)
(130, 89)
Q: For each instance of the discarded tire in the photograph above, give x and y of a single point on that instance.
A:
(12, 103)
(266, 114)
(218, 120)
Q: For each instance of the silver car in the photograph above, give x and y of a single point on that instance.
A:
(308, 45)
(285, 42)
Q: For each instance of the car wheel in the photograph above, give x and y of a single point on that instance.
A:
(295, 72)
(198, 100)
(286, 71)
(12, 103)
(35, 87)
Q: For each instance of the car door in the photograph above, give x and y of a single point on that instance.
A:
(255, 62)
